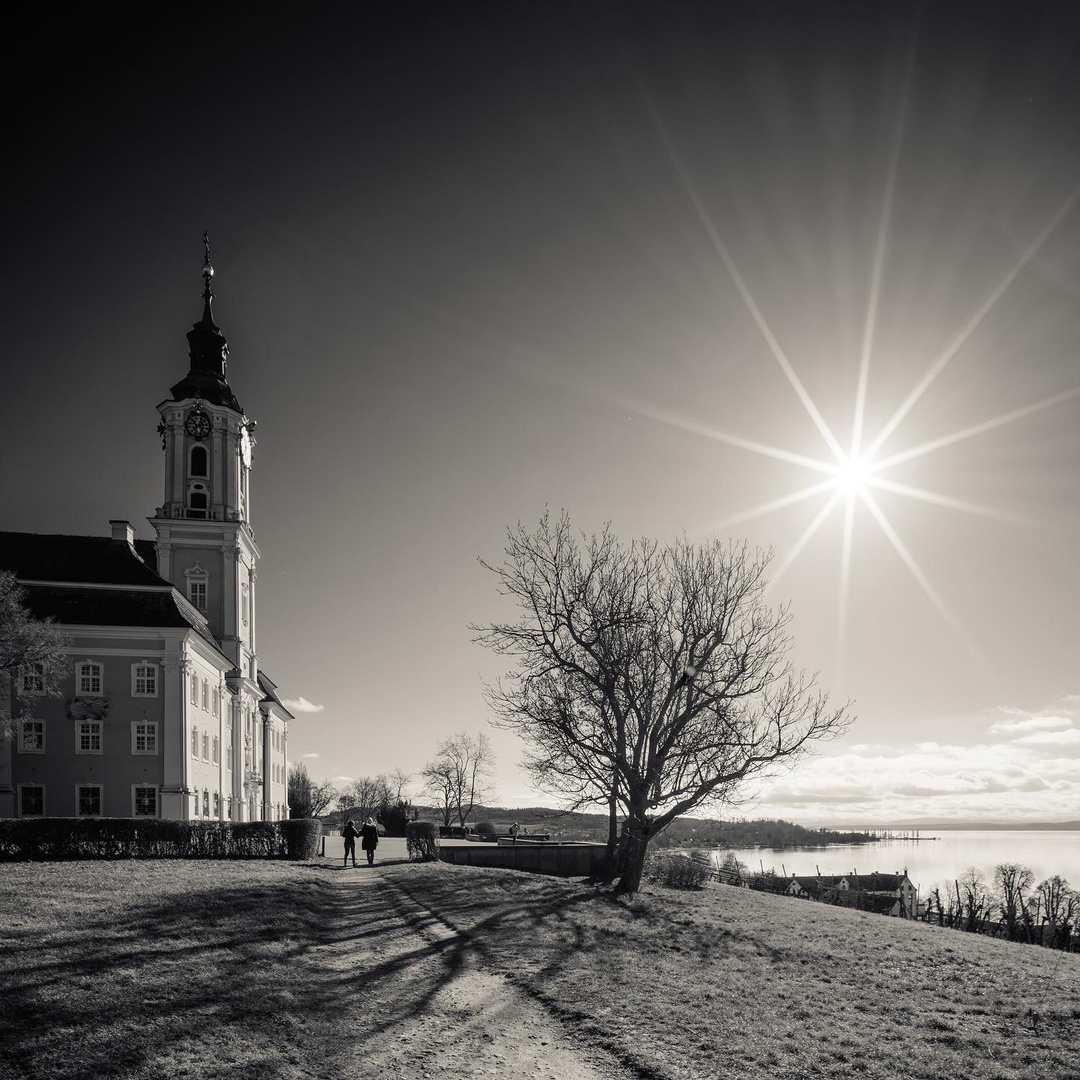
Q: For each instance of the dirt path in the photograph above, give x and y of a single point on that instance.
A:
(431, 1009)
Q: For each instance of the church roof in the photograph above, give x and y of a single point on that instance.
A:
(75, 606)
(74, 562)
(269, 688)
(95, 560)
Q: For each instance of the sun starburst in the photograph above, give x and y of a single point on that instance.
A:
(853, 473)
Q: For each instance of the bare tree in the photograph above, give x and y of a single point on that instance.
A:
(363, 798)
(438, 777)
(397, 783)
(972, 899)
(32, 651)
(307, 799)
(1012, 882)
(1061, 907)
(461, 775)
(650, 677)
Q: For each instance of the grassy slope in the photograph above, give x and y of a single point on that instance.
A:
(235, 969)
(679, 982)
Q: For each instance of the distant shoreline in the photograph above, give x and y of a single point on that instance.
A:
(988, 826)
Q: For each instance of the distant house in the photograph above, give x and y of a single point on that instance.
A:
(886, 894)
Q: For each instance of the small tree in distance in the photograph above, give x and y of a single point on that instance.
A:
(650, 678)
(461, 775)
(308, 799)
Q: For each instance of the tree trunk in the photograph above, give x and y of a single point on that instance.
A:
(636, 847)
(613, 826)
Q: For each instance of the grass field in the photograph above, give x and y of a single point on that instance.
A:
(204, 969)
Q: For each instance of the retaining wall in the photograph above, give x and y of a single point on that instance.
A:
(564, 860)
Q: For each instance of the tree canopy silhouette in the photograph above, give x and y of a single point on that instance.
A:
(653, 678)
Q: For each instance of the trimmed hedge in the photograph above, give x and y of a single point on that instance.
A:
(153, 838)
(422, 841)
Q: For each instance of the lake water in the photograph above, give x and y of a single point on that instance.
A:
(929, 862)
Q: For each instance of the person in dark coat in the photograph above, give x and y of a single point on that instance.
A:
(370, 841)
(350, 833)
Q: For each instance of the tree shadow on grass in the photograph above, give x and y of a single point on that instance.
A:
(234, 981)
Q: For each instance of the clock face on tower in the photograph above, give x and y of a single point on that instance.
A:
(198, 425)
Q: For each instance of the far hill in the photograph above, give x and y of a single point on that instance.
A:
(686, 832)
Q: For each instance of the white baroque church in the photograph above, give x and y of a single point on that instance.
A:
(166, 712)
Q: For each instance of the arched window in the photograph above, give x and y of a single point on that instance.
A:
(198, 501)
(200, 461)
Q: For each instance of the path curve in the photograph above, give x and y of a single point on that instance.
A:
(474, 1022)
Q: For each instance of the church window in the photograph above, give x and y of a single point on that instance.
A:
(144, 680)
(205, 696)
(88, 737)
(194, 689)
(88, 678)
(215, 755)
(217, 805)
(195, 742)
(144, 800)
(198, 501)
(206, 746)
(31, 800)
(33, 679)
(215, 699)
(144, 737)
(206, 803)
(32, 737)
(196, 578)
(88, 800)
(199, 461)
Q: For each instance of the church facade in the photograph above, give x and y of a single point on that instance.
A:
(166, 712)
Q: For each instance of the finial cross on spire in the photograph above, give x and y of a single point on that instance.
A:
(208, 275)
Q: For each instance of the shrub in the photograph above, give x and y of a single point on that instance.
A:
(301, 837)
(422, 841)
(485, 828)
(132, 838)
(394, 818)
(677, 871)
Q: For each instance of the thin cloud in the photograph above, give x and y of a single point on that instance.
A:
(302, 705)
(341, 779)
(1070, 737)
(309, 755)
(1029, 723)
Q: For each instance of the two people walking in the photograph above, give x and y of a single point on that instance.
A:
(369, 840)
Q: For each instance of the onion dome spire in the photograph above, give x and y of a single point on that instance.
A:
(208, 350)
(208, 276)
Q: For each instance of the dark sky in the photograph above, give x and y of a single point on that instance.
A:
(469, 263)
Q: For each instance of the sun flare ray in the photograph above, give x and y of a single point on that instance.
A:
(975, 429)
(972, 324)
(692, 426)
(767, 507)
(879, 259)
(804, 539)
(743, 289)
(916, 572)
(845, 579)
(948, 502)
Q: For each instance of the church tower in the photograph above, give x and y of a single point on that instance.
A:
(206, 548)
(205, 545)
